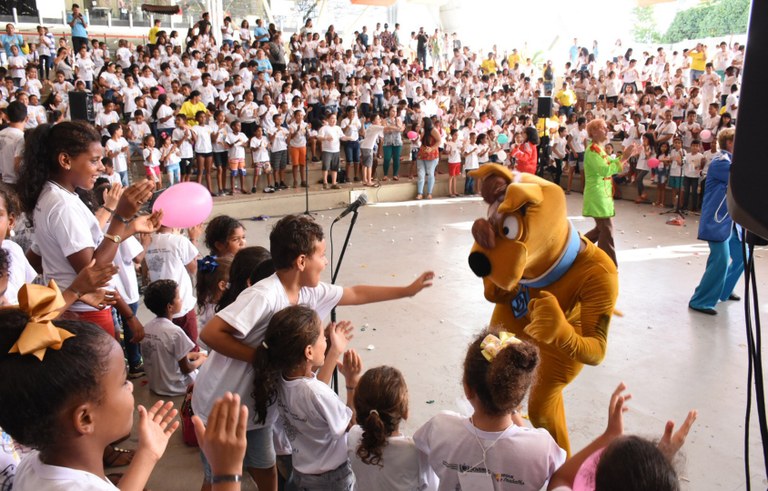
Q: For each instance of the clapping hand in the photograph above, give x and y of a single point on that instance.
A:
(670, 442)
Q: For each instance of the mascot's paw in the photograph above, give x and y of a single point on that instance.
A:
(548, 323)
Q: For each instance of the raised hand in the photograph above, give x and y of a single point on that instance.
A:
(616, 410)
(156, 427)
(339, 335)
(351, 367)
(133, 198)
(223, 441)
(671, 442)
(92, 277)
(422, 282)
(146, 224)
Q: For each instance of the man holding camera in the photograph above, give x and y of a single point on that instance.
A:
(79, 23)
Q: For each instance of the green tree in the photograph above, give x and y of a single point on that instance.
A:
(644, 30)
(712, 18)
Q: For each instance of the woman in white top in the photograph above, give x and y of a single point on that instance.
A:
(67, 234)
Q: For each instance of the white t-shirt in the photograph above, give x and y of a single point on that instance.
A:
(299, 139)
(351, 128)
(33, 475)
(19, 271)
(516, 459)
(249, 315)
(167, 257)
(279, 143)
(151, 157)
(693, 164)
(103, 120)
(578, 139)
(334, 145)
(185, 149)
(11, 146)
(127, 284)
(403, 467)
(203, 142)
(164, 344)
(315, 422)
(163, 112)
(238, 142)
(372, 133)
(118, 146)
(63, 226)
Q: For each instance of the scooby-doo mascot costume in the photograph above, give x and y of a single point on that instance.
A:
(550, 286)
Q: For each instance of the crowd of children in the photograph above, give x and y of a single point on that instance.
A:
(315, 103)
(202, 110)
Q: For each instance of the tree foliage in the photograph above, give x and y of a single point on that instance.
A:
(710, 19)
(644, 30)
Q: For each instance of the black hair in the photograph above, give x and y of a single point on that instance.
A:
(41, 390)
(161, 99)
(112, 127)
(291, 237)
(218, 230)
(532, 135)
(288, 334)
(381, 403)
(5, 263)
(42, 148)
(250, 265)
(210, 272)
(632, 463)
(11, 199)
(500, 384)
(17, 112)
(158, 295)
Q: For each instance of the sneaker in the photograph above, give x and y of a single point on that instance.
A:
(136, 372)
(325, 186)
(283, 185)
(253, 190)
(315, 159)
(335, 186)
(357, 179)
(269, 189)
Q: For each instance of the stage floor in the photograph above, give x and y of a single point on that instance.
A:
(672, 359)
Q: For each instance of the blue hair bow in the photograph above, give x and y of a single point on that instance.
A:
(207, 264)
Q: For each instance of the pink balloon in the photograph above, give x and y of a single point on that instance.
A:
(705, 135)
(653, 163)
(184, 205)
(412, 135)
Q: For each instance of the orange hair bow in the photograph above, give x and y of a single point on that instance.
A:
(43, 304)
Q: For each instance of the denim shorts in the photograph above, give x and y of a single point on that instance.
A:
(339, 479)
(259, 452)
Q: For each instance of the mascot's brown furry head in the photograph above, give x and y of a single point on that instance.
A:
(508, 247)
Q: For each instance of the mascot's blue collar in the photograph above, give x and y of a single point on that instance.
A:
(560, 267)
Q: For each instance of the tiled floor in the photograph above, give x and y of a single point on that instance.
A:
(671, 359)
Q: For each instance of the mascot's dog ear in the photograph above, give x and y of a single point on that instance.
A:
(496, 189)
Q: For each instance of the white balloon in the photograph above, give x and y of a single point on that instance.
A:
(502, 155)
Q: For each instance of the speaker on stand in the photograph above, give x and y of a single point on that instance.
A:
(81, 106)
(544, 109)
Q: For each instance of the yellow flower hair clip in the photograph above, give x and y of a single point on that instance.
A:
(492, 344)
(43, 304)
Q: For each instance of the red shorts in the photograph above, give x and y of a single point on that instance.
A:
(454, 169)
(102, 318)
(188, 324)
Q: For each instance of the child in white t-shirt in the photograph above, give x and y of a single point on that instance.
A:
(170, 156)
(382, 458)
(236, 141)
(314, 418)
(492, 449)
(152, 161)
(470, 152)
(453, 150)
(117, 150)
(259, 145)
(169, 359)
(693, 165)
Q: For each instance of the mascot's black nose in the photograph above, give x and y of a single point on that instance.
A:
(479, 264)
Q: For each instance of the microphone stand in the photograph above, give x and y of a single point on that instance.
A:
(334, 275)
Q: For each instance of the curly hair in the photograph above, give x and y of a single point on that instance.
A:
(500, 384)
(42, 148)
(218, 231)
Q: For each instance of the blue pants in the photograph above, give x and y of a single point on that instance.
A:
(469, 185)
(426, 167)
(724, 267)
(132, 350)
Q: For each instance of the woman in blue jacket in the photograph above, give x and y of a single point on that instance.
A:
(725, 263)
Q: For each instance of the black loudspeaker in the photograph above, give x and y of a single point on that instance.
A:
(81, 106)
(545, 107)
(747, 199)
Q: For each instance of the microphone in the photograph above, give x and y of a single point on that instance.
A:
(360, 201)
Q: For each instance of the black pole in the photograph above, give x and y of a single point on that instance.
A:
(335, 378)
(306, 171)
